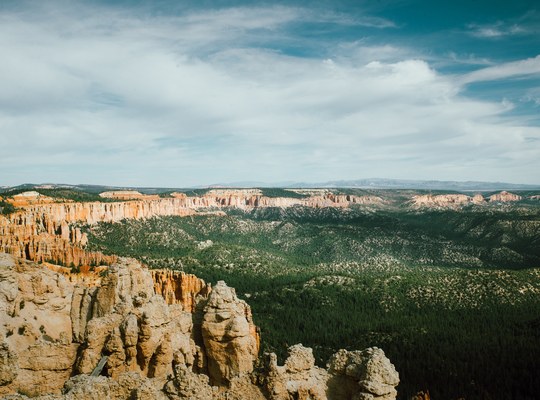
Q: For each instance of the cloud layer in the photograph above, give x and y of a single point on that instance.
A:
(115, 96)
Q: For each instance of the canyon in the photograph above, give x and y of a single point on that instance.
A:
(48, 230)
(45, 229)
(78, 324)
(162, 333)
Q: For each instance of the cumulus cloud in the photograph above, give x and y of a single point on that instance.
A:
(102, 95)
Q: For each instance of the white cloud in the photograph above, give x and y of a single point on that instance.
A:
(118, 98)
(530, 66)
(497, 30)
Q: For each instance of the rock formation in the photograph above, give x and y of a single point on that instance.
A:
(128, 195)
(444, 200)
(179, 287)
(504, 196)
(45, 229)
(460, 200)
(299, 378)
(359, 375)
(230, 337)
(366, 375)
(158, 335)
(478, 199)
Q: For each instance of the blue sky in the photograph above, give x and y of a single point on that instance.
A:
(175, 94)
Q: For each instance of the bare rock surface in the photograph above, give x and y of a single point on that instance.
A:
(36, 351)
(366, 374)
(229, 335)
(504, 197)
(298, 378)
(161, 336)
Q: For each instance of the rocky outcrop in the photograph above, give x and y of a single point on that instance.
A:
(230, 337)
(504, 197)
(46, 232)
(36, 350)
(52, 327)
(45, 229)
(478, 199)
(366, 374)
(444, 200)
(29, 198)
(460, 200)
(128, 195)
(362, 375)
(153, 345)
(179, 287)
(299, 378)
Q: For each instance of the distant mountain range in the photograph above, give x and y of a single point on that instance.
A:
(372, 183)
(378, 183)
(381, 183)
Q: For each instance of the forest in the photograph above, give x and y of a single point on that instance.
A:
(452, 297)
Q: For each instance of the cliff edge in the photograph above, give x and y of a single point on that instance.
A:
(132, 333)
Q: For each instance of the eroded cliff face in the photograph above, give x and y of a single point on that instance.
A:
(153, 345)
(504, 196)
(459, 200)
(44, 230)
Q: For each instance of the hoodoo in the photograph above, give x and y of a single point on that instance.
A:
(155, 335)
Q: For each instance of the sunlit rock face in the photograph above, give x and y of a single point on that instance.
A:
(504, 197)
(44, 229)
(161, 335)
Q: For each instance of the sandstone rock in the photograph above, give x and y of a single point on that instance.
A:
(300, 359)
(366, 374)
(44, 230)
(8, 365)
(478, 199)
(504, 196)
(37, 355)
(128, 195)
(230, 339)
(51, 328)
(442, 201)
(179, 287)
(127, 386)
(135, 328)
(189, 385)
(81, 310)
(299, 378)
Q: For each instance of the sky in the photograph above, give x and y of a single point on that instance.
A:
(184, 93)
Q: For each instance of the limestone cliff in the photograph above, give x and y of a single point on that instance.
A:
(153, 344)
(179, 287)
(459, 200)
(446, 200)
(504, 196)
(44, 230)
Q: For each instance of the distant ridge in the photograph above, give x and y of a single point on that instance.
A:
(381, 183)
(371, 183)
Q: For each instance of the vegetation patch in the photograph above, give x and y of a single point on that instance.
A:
(453, 297)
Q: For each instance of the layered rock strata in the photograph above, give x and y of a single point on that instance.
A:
(504, 196)
(151, 345)
(45, 230)
(230, 337)
(460, 200)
